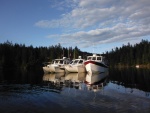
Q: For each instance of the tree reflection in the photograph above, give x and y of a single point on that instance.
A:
(131, 78)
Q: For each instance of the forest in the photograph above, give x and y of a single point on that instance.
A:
(21, 56)
(26, 57)
(130, 55)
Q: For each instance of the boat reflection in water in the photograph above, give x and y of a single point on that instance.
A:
(74, 80)
(53, 82)
(53, 77)
(82, 81)
(95, 82)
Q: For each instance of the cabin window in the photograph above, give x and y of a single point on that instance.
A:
(89, 58)
(94, 58)
(76, 61)
(71, 62)
(56, 62)
(53, 62)
(98, 58)
(81, 61)
(61, 61)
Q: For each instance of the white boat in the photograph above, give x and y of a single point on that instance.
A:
(77, 65)
(96, 64)
(57, 65)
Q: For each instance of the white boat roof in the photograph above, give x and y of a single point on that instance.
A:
(95, 55)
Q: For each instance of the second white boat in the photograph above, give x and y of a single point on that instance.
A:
(77, 65)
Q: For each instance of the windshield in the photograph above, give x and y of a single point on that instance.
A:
(89, 58)
(81, 61)
(71, 62)
(56, 61)
(61, 62)
(98, 58)
(76, 61)
(94, 58)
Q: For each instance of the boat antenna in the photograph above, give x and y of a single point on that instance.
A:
(63, 52)
(94, 48)
(74, 53)
(68, 52)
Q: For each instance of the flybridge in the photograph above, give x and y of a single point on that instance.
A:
(95, 57)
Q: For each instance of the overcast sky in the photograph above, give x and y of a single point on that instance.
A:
(91, 25)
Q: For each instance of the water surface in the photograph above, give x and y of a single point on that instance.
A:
(126, 90)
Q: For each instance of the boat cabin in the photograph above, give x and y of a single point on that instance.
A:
(77, 61)
(61, 61)
(95, 58)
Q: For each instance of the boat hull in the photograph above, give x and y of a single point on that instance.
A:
(46, 69)
(75, 68)
(57, 69)
(54, 69)
(95, 67)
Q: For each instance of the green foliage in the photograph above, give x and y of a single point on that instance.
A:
(129, 55)
(18, 55)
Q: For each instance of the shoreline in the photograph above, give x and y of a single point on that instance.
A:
(146, 66)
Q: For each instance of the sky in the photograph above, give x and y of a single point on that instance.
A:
(92, 25)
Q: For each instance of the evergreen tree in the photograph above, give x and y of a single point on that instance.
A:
(18, 55)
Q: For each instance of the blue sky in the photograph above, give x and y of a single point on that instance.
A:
(91, 25)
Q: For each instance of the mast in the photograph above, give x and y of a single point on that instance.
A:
(68, 53)
(63, 52)
(74, 54)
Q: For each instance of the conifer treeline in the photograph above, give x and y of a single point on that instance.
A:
(130, 55)
(19, 55)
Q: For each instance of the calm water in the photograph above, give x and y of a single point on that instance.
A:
(118, 91)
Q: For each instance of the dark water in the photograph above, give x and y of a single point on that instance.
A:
(126, 90)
